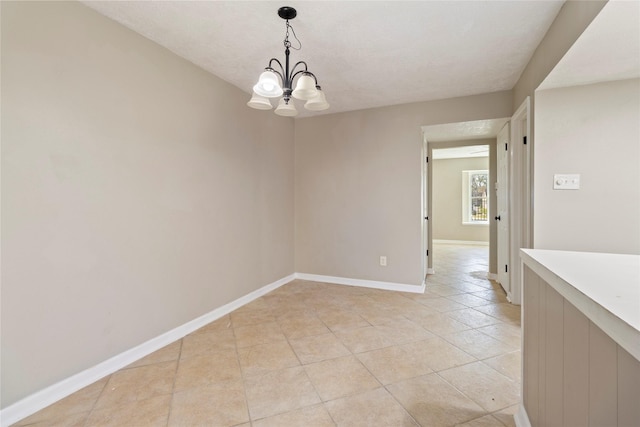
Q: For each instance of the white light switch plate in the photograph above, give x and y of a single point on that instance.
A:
(566, 182)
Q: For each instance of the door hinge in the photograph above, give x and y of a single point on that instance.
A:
(505, 147)
(524, 140)
(506, 268)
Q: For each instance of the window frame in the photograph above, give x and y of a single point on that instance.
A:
(467, 199)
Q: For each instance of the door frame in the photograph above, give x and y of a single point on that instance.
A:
(425, 213)
(427, 192)
(520, 194)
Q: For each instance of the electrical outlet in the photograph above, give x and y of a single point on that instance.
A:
(383, 261)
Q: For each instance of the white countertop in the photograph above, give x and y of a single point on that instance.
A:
(604, 287)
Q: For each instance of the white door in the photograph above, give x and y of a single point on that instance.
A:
(502, 219)
(519, 196)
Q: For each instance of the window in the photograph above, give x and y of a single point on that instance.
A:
(475, 203)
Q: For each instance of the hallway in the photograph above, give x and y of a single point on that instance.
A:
(318, 354)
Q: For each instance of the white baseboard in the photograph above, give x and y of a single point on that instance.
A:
(521, 418)
(45, 397)
(460, 242)
(492, 276)
(389, 286)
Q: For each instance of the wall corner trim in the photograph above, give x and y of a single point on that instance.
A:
(49, 395)
(389, 286)
(521, 418)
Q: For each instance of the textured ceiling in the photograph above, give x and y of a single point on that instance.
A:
(365, 54)
(609, 49)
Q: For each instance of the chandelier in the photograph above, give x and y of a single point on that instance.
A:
(274, 83)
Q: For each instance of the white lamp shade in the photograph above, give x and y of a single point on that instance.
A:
(287, 110)
(305, 88)
(259, 102)
(268, 85)
(318, 103)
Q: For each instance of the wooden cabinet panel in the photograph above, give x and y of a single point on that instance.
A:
(574, 372)
(554, 364)
(628, 389)
(575, 391)
(530, 344)
(603, 378)
(542, 351)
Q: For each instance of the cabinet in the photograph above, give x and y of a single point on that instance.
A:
(581, 361)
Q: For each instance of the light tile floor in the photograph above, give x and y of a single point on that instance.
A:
(315, 354)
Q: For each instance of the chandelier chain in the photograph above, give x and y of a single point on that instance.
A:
(287, 43)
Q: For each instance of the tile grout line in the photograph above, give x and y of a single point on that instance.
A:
(106, 383)
(242, 375)
(487, 412)
(315, 389)
(175, 378)
(400, 403)
(384, 386)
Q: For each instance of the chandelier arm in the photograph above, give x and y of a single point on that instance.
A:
(271, 61)
(278, 73)
(299, 63)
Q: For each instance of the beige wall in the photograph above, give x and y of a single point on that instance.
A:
(138, 193)
(593, 131)
(447, 200)
(358, 186)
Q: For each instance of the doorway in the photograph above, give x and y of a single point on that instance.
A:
(461, 201)
(476, 136)
(460, 194)
(518, 189)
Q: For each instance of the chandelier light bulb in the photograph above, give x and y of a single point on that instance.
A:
(268, 85)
